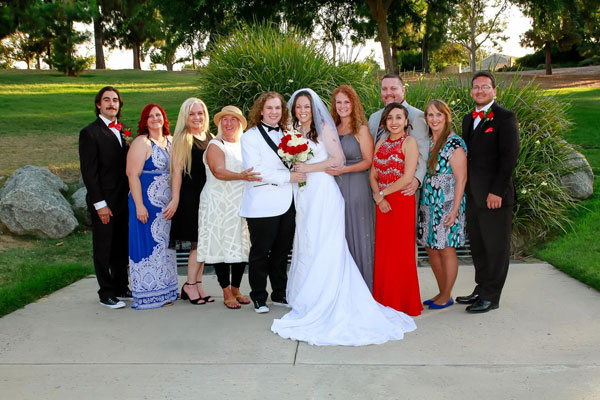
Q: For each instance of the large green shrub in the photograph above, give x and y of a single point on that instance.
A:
(542, 203)
(256, 59)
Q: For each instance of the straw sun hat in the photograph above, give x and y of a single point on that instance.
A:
(231, 110)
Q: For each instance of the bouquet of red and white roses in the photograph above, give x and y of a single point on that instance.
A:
(294, 148)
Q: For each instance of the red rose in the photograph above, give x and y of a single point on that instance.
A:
(127, 133)
(490, 115)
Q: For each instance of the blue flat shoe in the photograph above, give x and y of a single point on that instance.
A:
(428, 302)
(434, 306)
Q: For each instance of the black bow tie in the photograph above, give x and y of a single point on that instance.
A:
(271, 128)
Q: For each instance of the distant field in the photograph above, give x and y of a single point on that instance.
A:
(43, 111)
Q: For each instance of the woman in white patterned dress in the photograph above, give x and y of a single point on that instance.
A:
(223, 238)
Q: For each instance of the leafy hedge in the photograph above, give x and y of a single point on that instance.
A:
(257, 59)
(260, 58)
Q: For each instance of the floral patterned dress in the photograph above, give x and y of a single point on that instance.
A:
(437, 200)
(152, 265)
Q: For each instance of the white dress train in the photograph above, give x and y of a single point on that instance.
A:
(331, 304)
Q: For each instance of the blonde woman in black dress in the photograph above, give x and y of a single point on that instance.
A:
(188, 177)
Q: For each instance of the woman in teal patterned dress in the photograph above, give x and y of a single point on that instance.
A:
(441, 227)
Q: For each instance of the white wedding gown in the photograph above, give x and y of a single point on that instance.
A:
(331, 304)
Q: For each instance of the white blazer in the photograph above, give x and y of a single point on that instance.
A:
(273, 195)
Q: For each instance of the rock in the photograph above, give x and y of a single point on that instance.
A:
(81, 184)
(31, 203)
(80, 207)
(579, 183)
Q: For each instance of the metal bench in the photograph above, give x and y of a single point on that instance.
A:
(462, 252)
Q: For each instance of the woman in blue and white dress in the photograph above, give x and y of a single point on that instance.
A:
(152, 265)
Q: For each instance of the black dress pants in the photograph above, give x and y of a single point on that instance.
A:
(489, 234)
(271, 240)
(110, 243)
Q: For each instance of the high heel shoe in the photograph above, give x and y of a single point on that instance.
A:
(207, 299)
(185, 296)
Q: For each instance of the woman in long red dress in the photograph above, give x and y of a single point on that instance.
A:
(395, 282)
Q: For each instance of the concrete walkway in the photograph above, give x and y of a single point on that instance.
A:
(542, 343)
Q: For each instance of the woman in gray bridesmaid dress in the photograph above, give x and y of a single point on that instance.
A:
(353, 178)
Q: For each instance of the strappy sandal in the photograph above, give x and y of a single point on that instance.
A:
(185, 296)
(232, 304)
(207, 299)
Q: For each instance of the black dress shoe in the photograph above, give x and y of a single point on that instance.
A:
(470, 299)
(481, 306)
(127, 295)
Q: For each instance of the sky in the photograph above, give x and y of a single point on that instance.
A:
(517, 25)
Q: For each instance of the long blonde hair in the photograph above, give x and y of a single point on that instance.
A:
(181, 154)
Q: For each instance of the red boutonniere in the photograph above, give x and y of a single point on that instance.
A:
(126, 136)
(488, 117)
(489, 130)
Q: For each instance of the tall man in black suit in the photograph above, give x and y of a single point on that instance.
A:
(102, 156)
(492, 137)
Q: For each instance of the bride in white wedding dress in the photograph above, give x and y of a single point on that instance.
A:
(331, 304)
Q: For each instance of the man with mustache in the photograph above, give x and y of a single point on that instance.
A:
(102, 155)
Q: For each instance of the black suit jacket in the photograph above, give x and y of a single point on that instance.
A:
(103, 162)
(493, 149)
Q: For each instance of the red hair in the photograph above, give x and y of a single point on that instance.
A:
(143, 124)
(357, 114)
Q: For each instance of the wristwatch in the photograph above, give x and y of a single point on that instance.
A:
(381, 193)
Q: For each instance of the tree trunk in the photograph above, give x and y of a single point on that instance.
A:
(395, 68)
(333, 50)
(98, 42)
(473, 44)
(193, 57)
(49, 55)
(379, 12)
(425, 55)
(39, 61)
(548, 59)
(136, 56)
(169, 66)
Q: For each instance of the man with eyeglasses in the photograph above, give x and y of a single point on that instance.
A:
(491, 134)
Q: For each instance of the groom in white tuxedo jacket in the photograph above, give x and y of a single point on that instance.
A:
(268, 205)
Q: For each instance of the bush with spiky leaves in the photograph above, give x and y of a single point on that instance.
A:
(260, 58)
(257, 59)
(542, 202)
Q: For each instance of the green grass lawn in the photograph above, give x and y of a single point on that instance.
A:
(577, 252)
(46, 102)
(43, 112)
(41, 267)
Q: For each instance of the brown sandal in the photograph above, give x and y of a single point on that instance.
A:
(242, 299)
(232, 304)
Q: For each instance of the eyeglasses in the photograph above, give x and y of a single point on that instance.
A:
(485, 88)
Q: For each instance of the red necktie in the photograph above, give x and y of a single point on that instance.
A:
(119, 125)
(477, 114)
